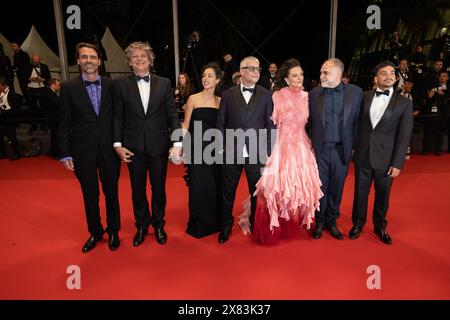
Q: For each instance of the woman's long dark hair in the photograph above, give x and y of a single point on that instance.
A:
(187, 90)
(284, 72)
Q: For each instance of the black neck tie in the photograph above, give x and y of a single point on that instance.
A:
(378, 93)
(248, 89)
(89, 83)
(145, 78)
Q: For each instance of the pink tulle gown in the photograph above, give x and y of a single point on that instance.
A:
(288, 191)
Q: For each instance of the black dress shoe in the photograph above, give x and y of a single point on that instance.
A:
(161, 236)
(114, 241)
(335, 233)
(224, 234)
(91, 243)
(384, 236)
(317, 232)
(355, 232)
(140, 236)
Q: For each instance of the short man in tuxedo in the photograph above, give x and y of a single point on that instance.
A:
(385, 128)
(333, 120)
(51, 104)
(268, 81)
(144, 111)
(247, 107)
(85, 138)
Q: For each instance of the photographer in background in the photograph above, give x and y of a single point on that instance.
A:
(194, 56)
(38, 75)
(230, 66)
(418, 60)
(396, 47)
(435, 115)
(432, 76)
(198, 50)
(182, 92)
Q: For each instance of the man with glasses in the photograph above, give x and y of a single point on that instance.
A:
(246, 108)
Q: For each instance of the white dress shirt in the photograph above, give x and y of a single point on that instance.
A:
(247, 96)
(35, 84)
(4, 104)
(379, 105)
(144, 91)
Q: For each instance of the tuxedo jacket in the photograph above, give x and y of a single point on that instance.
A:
(14, 103)
(134, 128)
(265, 82)
(316, 121)
(235, 113)
(51, 102)
(44, 73)
(388, 142)
(21, 62)
(82, 134)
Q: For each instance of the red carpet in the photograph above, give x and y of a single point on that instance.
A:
(43, 228)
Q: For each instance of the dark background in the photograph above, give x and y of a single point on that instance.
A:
(279, 30)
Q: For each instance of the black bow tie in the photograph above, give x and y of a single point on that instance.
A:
(248, 89)
(89, 83)
(386, 92)
(145, 78)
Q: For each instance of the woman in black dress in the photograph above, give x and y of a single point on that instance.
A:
(203, 176)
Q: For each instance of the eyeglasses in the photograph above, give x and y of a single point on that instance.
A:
(253, 69)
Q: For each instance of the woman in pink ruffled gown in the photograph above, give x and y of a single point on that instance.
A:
(289, 189)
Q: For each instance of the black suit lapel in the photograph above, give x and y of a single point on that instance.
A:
(367, 104)
(347, 103)
(320, 105)
(134, 90)
(388, 112)
(83, 93)
(154, 83)
(252, 103)
(239, 102)
(105, 89)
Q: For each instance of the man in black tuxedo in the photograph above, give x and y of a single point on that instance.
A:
(51, 104)
(8, 107)
(403, 74)
(333, 119)
(230, 66)
(21, 62)
(85, 136)
(268, 81)
(247, 107)
(144, 109)
(385, 127)
(38, 75)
